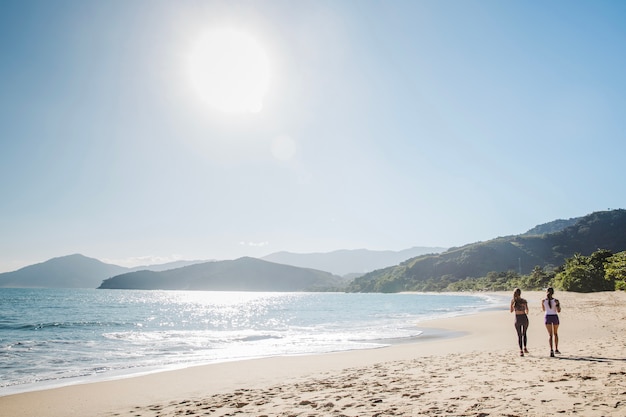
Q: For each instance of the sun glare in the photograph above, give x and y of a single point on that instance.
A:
(230, 71)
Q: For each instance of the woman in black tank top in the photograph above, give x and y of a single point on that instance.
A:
(520, 307)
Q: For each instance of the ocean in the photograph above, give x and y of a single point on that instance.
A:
(54, 337)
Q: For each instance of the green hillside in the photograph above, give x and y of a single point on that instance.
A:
(244, 274)
(521, 253)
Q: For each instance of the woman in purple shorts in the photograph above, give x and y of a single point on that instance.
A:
(552, 307)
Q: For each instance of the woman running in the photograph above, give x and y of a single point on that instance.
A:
(520, 307)
(552, 307)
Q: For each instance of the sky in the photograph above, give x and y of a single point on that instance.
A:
(352, 124)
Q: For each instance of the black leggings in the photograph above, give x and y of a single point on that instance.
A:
(521, 325)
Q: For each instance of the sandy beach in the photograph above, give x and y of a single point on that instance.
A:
(475, 370)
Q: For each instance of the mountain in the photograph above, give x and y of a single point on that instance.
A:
(166, 266)
(521, 253)
(553, 226)
(243, 274)
(343, 262)
(72, 271)
(546, 245)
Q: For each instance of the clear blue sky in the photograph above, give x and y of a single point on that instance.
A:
(406, 123)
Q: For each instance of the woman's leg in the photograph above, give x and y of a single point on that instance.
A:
(520, 336)
(524, 332)
(550, 332)
(556, 336)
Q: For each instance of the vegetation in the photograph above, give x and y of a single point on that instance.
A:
(552, 227)
(530, 261)
(601, 271)
(538, 279)
(615, 270)
(585, 273)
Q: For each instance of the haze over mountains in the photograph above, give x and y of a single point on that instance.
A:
(343, 262)
(78, 271)
(72, 271)
(545, 245)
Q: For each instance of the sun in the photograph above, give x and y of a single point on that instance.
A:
(230, 71)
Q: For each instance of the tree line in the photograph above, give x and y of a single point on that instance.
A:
(600, 271)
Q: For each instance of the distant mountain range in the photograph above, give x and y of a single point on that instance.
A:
(166, 266)
(344, 262)
(546, 246)
(78, 271)
(73, 271)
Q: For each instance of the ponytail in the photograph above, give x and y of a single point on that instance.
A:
(549, 294)
(517, 294)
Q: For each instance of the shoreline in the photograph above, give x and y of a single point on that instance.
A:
(478, 370)
(492, 302)
(427, 334)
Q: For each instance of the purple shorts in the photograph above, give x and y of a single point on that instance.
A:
(552, 319)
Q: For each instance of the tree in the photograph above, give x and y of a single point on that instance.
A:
(615, 270)
(599, 280)
(585, 273)
(537, 280)
(574, 278)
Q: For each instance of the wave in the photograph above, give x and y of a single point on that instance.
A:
(208, 337)
(256, 338)
(59, 325)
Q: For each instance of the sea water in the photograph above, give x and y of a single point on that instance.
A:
(63, 336)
